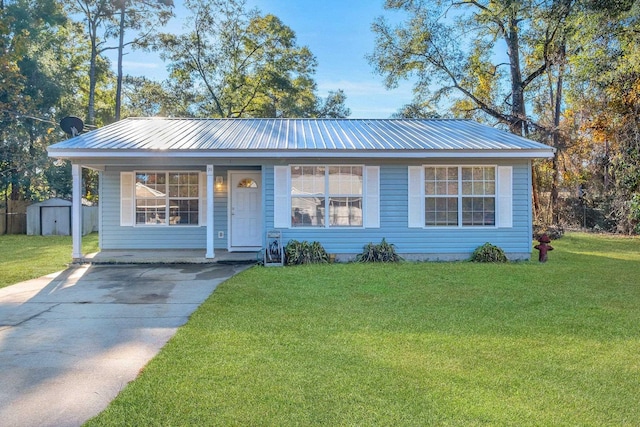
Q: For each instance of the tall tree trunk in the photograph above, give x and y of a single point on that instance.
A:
(120, 49)
(518, 123)
(517, 91)
(534, 193)
(15, 188)
(556, 136)
(91, 115)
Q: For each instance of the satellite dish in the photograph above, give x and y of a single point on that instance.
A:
(72, 125)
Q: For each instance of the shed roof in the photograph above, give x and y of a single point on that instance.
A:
(53, 202)
(297, 137)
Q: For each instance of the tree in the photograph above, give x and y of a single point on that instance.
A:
(604, 110)
(466, 54)
(416, 110)
(146, 98)
(38, 67)
(13, 45)
(96, 14)
(333, 106)
(137, 15)
(106, 20)
(488, 54)
(239, 63)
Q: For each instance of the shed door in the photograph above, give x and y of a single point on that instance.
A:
(55, 220)
(246, 210)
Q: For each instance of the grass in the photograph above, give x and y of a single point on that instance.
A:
(456, 344)
(27, 257)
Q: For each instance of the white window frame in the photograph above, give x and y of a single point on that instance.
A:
(167, 222)
(459, 197)
(282, 198)
(327, 195)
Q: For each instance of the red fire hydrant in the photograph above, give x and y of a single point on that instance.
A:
(543, 247)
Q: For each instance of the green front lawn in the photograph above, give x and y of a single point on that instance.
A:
(27, 257)
(457, 344)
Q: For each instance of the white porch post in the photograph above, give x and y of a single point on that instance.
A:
(76, 212)
(210, 252)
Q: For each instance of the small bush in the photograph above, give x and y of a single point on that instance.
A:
(488, 253)
(305, 253)
(382, 252)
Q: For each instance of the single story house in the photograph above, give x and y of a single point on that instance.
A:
(436, 189)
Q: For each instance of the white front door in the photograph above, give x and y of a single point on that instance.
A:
(246, 210)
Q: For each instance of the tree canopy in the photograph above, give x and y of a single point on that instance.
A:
(240, 63)
(37, 73)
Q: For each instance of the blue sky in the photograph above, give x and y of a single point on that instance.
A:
(337, 32)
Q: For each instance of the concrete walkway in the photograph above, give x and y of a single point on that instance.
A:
(71, 341)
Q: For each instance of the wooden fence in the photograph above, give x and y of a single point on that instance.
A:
(15, 220)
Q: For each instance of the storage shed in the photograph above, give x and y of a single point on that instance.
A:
(49, 218)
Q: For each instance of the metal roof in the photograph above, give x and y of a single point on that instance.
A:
(281, 137)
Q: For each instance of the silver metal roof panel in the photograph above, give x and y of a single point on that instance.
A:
(396, 137)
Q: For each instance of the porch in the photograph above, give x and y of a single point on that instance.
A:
(169, 256)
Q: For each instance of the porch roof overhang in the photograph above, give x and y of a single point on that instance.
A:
(99, 156)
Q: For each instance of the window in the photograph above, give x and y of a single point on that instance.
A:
(441, 195)
(479, 195)
(459, 195)
(326, 196)
(247, 183)
(166, 198)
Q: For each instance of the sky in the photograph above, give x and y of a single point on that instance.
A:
(338, 33)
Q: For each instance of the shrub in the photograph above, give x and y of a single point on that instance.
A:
(382, 252)
(305, 253)
(488, 253)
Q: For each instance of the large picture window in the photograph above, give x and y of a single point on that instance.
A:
(166, 198)
(460, 195)
(326, 196)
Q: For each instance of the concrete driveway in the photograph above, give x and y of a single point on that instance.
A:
(71, 341)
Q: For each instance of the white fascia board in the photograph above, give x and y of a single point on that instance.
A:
(278, 154)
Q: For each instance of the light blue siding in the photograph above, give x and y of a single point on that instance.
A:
(220, 208)
(428, 243)
(113, 236)
(418, 243)
(267, 195)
